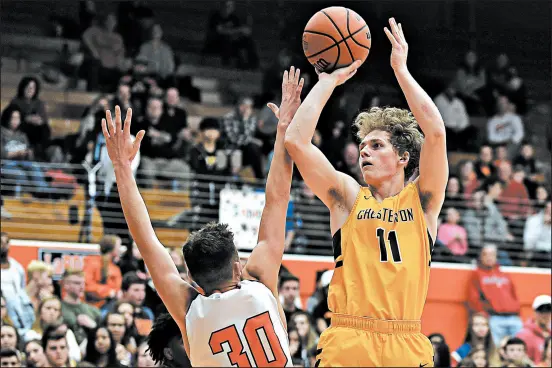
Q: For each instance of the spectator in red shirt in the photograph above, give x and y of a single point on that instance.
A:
(514, 200)
(492, 292)
(468, 177)
(537, 329)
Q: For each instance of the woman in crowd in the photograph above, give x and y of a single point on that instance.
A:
(479, 358)
(116, 324)
(441, 350)
(9, 338)
(100, 349)
(452, 234)
(34, 119)
(143, 358)
(18, 170)
(47, 313)
(35, 354)
(129, 338)
(478, 335)
(307, 334)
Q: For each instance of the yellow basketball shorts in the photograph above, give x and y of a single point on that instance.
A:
(352, 341)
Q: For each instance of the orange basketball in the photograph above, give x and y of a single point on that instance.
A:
(335, 37)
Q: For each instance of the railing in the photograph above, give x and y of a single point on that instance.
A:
(186, 202)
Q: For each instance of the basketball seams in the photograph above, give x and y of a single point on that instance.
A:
(341, 34)
(352, 34)
(326, 49)
(337, 43)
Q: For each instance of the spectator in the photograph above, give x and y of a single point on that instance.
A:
(483, 221)
(307, 333)
(295, 347)
(142, 85)
(537, 329)
(12, 280)
(505, 127)
(47, 313)
(537, 238)
(542, 197)
(492, 292)
(124, 99)
(10, 358)
(461, 136)
(100, 349)
(80, 317)
(484, 165)
(57, 351)
(132, 260)
(165, 343)
(514, 200)
(60, 327)
(468, 177)
(127, 310)
(105, 52)
(157, 154)
(87, 14)
(143, 359)
(453, 235)
(501, 155)
(4, 318)
(115, 323)
(212, 166)
(39, 281)
(454, 195)
(89, 129)
(158, 54)
(229, 35)
(9, 338)
(478, 356)
(441, 350)
(526, 160)
(18, 170)
(516, 351)
(498, 75)
(348, 163)
(289, 292)
(102, 276)
(516, 90)
(470, 81)
(134, 292)
(478, 336)
(239, 131)
(177, 117)
(34, 121)
(321, 313)
(546, 360)
(35, 354)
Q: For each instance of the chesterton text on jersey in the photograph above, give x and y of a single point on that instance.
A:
(386, 214)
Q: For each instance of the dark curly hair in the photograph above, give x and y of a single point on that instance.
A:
(24, 82)
(209, 254)
(164, 329)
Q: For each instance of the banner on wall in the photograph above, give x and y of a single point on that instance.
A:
(242, 211)
(62, 259)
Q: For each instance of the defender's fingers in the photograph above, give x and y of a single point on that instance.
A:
(128, 121)
(297, 74)
(291, 74)
(285, 78)
(110, 123)
(299, 88)
(390, 37)
(118, 122)
(104, 129)
(402, 33)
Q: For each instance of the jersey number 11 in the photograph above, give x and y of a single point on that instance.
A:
(251, 330)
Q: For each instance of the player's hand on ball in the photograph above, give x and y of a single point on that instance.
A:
(120, 146)
(342, 75)
(399, 53)
(291, 97)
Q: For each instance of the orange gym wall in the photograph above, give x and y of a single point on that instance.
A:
(445, 309)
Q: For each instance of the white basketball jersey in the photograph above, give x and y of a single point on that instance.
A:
(240, 328)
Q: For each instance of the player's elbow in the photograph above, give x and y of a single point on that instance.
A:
(292, 143)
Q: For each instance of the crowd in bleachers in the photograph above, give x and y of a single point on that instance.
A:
(497, 208)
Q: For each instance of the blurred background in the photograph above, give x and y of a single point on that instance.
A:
(198, 76)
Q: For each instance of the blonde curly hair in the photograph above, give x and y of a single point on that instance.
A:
(401, 125)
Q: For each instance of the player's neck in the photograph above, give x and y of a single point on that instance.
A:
(225, 287)
(388, 188)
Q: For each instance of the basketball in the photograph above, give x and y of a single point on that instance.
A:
(335, 37)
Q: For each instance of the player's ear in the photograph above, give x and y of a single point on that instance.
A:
(403, 160)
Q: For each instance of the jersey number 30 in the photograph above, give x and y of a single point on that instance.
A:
(252, 331)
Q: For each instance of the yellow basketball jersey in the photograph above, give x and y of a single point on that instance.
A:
(383, 255)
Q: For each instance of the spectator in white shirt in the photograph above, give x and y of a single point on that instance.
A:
(537, 238)
(159, 55)
(460, 134)
(505, 127)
